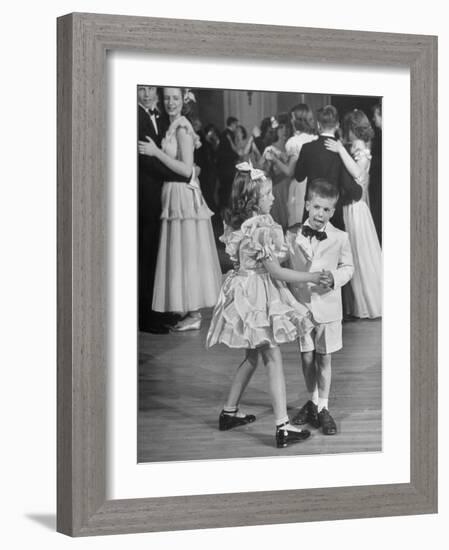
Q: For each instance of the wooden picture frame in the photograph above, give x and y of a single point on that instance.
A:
(83, 41)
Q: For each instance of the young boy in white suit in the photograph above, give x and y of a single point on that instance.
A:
(317, 245)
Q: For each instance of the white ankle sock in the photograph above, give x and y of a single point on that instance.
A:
(322, 403)
(313, 396)
(283, 420)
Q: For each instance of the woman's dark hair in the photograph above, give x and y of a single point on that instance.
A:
(271, 135)
(243, 130)
(245, 196)
(265, 125)
(357, 122)
(284, 119)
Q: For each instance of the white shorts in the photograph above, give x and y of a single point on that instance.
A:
(324, 338)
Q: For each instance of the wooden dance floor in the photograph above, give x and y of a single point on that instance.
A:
(182, 388)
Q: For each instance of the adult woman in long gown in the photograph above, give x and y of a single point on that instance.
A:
(276, 150)
(304, 132)
(367, 279)
(188, 275)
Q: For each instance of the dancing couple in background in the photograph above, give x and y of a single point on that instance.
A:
(184, 262)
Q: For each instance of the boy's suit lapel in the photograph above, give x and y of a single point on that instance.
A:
(304, 245)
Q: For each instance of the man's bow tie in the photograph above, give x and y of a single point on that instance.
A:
(307, 231)
(153, 112)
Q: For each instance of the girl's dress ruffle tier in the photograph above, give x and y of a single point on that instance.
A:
(253, 309)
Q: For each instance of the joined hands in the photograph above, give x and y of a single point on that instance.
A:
(326, 279)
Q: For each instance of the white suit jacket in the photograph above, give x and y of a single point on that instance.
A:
(332, 254)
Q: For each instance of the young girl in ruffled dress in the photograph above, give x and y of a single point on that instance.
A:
(255, 310)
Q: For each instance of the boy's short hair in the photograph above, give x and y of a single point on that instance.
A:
(323, 188)
(327, 116)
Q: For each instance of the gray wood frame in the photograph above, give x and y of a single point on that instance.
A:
(83, 40)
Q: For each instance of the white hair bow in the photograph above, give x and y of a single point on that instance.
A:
(248, 167)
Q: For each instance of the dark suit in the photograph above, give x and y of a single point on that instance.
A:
(152, 174)
(315, 161)
(227, 158)
(375, 182)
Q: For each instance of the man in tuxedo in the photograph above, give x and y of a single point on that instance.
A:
(316, 162)
(151, 175)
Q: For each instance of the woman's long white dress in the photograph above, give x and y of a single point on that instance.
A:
(296, 189)
(188, 274)
(367, 254)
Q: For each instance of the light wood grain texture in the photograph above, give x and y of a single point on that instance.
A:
(83, 40)
(183, 386)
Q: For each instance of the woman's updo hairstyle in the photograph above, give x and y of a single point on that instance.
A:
(357, 122)
(302, 119)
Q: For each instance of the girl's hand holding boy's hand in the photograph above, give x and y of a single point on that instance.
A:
(326, 279)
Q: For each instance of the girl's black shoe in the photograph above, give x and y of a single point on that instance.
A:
(228, 421)
(286, 437)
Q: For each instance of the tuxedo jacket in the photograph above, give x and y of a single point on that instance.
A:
(152, 172)
(315, 161)
(226, 156)
(331, 254)
(151, 175)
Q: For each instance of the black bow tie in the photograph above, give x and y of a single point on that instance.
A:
(307, 231)
(153, 112)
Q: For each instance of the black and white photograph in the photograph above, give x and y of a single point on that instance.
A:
(220, 282)
(259, 273)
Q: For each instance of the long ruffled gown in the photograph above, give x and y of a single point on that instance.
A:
(253, 309)
(188, 275)
(367, 279)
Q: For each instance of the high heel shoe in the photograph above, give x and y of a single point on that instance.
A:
(286, 437)
(228, 421)
(188, 323)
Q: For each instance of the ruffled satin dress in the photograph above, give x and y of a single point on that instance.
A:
(254, 310)
(188, 274)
